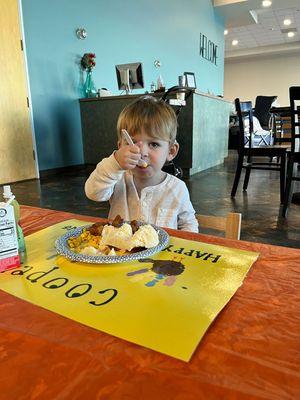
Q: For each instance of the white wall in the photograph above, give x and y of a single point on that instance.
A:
(262, 75)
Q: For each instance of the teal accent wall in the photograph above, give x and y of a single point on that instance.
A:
(119, 31)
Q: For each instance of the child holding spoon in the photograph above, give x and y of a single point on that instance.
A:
(132, 178)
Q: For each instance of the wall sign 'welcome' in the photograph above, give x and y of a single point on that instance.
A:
(208, 49)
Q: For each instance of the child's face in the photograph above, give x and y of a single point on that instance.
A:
(155, 152)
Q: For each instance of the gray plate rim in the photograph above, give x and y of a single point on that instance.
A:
(63, 249)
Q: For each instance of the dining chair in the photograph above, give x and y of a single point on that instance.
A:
(262, 110)
(250, 152)
(294, 153)
(262, 113)
(281, 125)
(230, 225)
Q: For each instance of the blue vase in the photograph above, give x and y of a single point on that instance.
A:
(89, 88)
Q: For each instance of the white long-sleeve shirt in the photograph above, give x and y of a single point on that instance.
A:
(166, 204)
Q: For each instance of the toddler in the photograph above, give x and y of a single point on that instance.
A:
(144, 193)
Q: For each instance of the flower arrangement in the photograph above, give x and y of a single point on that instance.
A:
(88, 61)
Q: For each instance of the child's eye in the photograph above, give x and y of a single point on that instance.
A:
(154, 145)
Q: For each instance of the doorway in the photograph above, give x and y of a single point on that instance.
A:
(17, 156)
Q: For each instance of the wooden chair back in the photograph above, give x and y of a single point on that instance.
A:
(295, 118)
(294, 154)
(230, 225)
(243, 110)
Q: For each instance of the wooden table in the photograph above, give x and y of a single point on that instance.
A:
(251, 351)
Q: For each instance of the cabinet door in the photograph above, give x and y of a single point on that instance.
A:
(16, 145)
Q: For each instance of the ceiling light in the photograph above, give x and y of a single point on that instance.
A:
(291, 34)
(287, 22)
(226, 32)
(266, 3)
(234, 42)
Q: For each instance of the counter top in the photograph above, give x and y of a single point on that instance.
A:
(159, 94)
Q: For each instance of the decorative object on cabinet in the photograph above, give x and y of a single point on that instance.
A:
(87, 64)
(81, 33)
(190, 80)
(160, 87)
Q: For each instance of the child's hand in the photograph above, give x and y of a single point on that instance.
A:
(128, 156)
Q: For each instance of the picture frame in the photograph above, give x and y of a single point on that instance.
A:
(190, 80)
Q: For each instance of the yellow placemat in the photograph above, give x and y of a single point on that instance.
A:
(165, 303)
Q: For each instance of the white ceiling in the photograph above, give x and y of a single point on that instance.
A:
(258, 29)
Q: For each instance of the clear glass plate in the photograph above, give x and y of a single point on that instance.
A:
(62, 248)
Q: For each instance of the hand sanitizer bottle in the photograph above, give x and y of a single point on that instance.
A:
(7, 194)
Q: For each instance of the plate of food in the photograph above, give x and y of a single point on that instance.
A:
(115, 242)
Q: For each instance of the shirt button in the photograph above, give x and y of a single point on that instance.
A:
(144, 203)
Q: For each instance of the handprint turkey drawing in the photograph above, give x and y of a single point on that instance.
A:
(162, 271)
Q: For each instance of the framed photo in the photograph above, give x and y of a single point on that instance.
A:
(190, 80)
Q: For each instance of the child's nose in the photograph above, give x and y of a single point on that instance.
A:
(143, 148)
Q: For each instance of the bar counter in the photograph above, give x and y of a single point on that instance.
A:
(202, 129)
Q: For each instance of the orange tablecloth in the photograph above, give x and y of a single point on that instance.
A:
(251, 351)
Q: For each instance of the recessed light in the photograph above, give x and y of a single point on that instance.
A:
(287, 22)
(234, 42)
(226, 32)
(266, 3)
(291, 34)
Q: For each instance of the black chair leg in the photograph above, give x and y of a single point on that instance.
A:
(282, 177)
(287, 194)
(237, 175)
(247, 176)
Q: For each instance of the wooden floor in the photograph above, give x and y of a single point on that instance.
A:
(210, 194)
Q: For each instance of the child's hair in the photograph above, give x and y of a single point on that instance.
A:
(151, 116)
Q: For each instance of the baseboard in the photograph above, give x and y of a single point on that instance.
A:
(79, 169)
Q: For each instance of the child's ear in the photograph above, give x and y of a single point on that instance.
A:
(173, 150)
(119, 143)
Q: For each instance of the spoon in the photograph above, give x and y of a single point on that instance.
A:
(127, 137)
